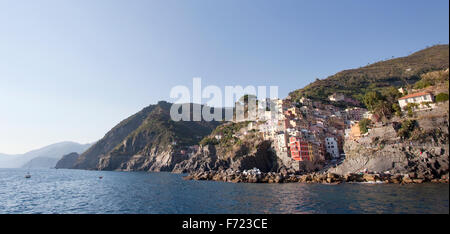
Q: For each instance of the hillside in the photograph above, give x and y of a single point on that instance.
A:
(395, 72)
(148, 140)
(417, 145)
(67, 161)
(41, 162)
(44, 157)
(237, 149)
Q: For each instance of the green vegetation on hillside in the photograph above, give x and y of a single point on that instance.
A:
(364, 125)
(227, 133)
(158, 129)
(442, 97)
(407, 128)
(148, 130)
(410, 107)
(397, 72)
(383, 104)
(432, 78)
(233, 141)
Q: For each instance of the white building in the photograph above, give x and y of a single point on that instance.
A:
(306, 101)
(281, 142)
(336, 97)
(250, 126)
(292, 132)
(418, 98)
(367, 115)
(331, 147)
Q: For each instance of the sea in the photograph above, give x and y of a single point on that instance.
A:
(63, 191)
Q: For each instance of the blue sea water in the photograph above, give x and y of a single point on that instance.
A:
(79, 191)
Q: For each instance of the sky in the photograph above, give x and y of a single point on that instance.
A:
(72, 70)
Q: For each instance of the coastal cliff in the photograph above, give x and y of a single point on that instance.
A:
(147, 141)
(256, 155)
(235, 147)
(151, 141)
(67, 161)
(424, 153)
(385, 154)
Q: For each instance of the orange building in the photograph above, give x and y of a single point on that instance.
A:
(300, 150)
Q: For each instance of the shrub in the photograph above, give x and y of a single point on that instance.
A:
(423, 84)
(209, 141)
(410, 108)
(407, 127)
(397, 109)
(442, 97)
(364, 124)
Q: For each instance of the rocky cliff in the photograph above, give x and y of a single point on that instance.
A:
(257, 154)
(237, 150)
(424, 154)
(67, 161)
(147, 141)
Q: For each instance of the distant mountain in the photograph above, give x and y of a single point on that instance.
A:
(41, 162)
(148, 140)
(43, 157)
(394, 72)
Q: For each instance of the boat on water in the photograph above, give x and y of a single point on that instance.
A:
(28, 175)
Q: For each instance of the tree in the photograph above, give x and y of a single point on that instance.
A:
(397, 109)
(371, 99)
(410, 108)
(384, 109)
(391, 94)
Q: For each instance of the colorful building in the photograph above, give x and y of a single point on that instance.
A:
(305, 150)
(299, 149)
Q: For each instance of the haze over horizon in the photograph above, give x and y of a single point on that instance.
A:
(72, 70)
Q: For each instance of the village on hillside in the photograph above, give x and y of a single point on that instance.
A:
(310, 135)
(313, 133)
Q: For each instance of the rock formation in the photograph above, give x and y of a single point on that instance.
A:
(67, 161)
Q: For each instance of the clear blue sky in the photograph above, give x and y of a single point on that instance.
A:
(71, 70)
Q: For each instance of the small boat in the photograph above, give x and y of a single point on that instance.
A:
(100, 177)
(28, 175)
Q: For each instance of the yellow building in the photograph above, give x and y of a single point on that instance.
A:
(355, 132)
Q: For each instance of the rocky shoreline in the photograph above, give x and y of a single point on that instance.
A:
(325, 178)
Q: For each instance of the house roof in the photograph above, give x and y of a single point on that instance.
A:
(414, 95)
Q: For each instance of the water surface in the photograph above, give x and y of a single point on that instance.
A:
(79, 191)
